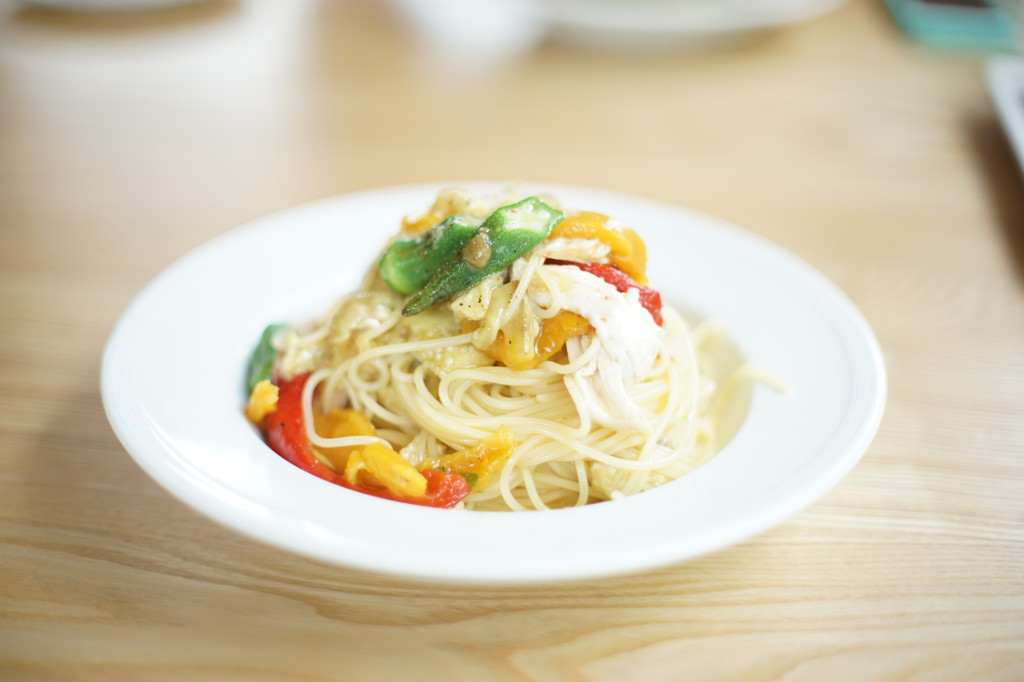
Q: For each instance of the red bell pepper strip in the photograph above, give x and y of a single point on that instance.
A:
(444, 489)
(649, 298)
(285, 433)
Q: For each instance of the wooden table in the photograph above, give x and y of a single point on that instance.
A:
(125, 141)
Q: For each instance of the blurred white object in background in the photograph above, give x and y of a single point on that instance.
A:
(110, 5)
(659, 24)
(484, 30)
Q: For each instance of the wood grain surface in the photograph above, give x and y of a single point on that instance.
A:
(128, 139)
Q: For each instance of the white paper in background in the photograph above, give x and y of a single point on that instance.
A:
(1005, 77)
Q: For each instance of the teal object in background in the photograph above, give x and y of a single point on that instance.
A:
(961, 24)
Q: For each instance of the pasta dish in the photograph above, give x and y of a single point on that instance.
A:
(504, 353)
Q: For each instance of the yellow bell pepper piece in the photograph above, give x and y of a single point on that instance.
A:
(262, 401)
(338, 423)
(377, 465)
(556, 331)
(448, 203)
(421, 224)
(478, 462)
(628, 251)
(553, 334)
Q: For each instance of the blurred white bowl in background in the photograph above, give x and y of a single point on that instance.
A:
(477, 29)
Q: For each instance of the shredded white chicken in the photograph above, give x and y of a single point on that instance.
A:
(629, 342)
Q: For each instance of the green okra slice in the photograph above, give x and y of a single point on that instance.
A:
(261, 362)
(507, 234)
(408, 264)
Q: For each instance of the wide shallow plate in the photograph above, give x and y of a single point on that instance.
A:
(172, 389)
(673, 23)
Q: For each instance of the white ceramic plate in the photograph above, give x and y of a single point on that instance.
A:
(668, 23)
(172, 389)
